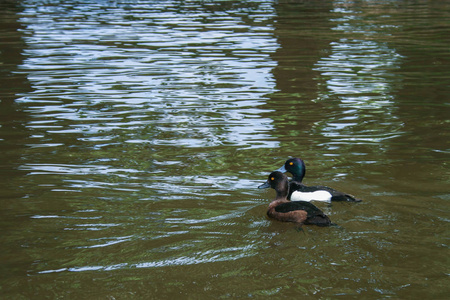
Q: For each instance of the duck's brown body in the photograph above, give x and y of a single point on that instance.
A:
(299, 212)
(296, 216)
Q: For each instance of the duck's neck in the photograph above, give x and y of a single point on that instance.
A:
(299, 173)
(299, 176)
(282, 191)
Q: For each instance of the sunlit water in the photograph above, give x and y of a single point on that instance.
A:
(134, 135)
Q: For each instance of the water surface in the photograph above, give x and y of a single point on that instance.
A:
(134, 135)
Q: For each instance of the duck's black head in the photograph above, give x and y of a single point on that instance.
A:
(279, 182)
(296, 167)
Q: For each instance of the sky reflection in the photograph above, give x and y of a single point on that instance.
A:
(170, 69)
(358, 78)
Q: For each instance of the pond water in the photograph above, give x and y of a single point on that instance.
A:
(134, 135)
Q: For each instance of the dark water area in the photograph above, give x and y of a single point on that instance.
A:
(134, 135)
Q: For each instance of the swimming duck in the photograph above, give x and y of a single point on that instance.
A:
(299, 212)
(299, 191)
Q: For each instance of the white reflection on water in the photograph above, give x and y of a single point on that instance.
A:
(208, 256)
(99, 69)
(36, 169)
(359, 75)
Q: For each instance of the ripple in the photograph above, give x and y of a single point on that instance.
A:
(208, 256)
(167, 60)
(356, 77)
(36, 169)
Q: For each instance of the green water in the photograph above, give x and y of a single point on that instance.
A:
(134, 135)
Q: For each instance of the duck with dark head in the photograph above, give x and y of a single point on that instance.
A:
(299, 212)
(300, 191)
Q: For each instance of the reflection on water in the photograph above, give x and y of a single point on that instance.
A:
(201, 81)
(122, 95)
(358, 74)
(133, 163)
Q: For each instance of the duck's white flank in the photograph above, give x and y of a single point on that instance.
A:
(311, 196)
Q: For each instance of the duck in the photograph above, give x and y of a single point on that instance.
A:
(299, 212)
(299, 191)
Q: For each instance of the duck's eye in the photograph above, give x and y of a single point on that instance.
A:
(272, 178)
(291, 163)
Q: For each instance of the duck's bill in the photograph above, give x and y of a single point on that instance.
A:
(265, 185)
(282, 169)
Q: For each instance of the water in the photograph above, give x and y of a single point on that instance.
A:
(134, 135)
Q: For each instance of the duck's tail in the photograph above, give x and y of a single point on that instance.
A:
(345, 197)
(319, 220)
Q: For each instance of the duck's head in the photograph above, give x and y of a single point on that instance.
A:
(296, 167)
(279, 182)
